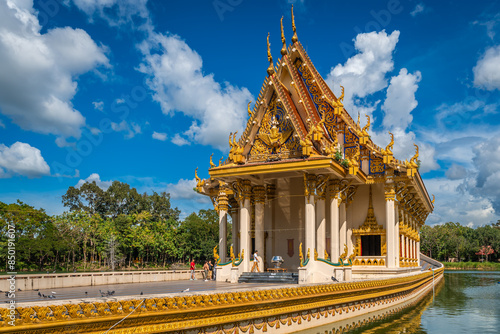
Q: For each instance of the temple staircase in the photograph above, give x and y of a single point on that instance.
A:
(270, 277)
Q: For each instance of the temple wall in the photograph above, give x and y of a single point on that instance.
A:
(288, 224)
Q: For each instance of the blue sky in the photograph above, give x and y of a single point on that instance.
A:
(144, 91)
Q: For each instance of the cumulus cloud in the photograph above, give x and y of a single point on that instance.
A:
(159, 136)
(50, 61)
(456, 172)
(130, 129)
(22, 159)
(400, 100)
(179, 141)
(95, 177)
(176, 76)
(365, 73)
(183, 189)
(487, 69)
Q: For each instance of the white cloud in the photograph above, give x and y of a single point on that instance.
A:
(130, 129)
(487, 70)
(456, 172)
(400, 100)
(179, 84)
(117, 12)
(95, 177)
(179, 141)
(159, 136)
(419, 8)
(365, 73)
(99, 105)
(22, 159)
(183, 189)
(51, 61)
(2, 125)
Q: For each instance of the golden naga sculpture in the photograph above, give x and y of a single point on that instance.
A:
(412, 165)
(315, 255)
(343, 256)
(294, 37)
(212, 165)
(220, 161)
(341, 97)
(270, 69)
(387, 152)
(250, 114)
(301, 255)
(275, 139)
(326, 255)
(363, 139)
(199, 182)
(216, 256)
(433, 199)
(317, 131)
(283, 41)
(231, 255)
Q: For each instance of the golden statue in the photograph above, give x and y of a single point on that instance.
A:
(283, 41)
(212, 165)
(326, 255)
(275, 139)
(343, 256)
(270, 69)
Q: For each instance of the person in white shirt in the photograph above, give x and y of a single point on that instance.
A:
(255, 262)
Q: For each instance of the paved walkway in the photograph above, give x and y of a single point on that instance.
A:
(131, 289)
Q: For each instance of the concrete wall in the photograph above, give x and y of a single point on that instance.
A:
(53, 281)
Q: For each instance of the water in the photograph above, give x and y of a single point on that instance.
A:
(466, 302)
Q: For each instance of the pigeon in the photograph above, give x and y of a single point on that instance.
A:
(33, 290)
(19, 290)
(334, 279)
(186, 290)
(53, 292)
(86, 293)
(44, 296)
(141, 293)
(39, 294)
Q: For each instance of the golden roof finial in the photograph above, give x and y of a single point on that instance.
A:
(270, 69)
(248, 109)
(212, 165)
(294, 37)
(433, 199)
(283, 49)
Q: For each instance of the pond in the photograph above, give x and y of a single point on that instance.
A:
(466, 302)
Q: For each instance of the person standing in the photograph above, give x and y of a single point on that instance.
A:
(211, 270)
(191, 267)
(205, 270)
(255, 261)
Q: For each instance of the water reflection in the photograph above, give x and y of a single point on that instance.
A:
(465, 302)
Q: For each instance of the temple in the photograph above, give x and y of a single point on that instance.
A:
(307, 183)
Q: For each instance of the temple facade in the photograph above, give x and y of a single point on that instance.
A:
(307, 183)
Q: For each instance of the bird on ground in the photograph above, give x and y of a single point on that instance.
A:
(334, 279)
(44, 296)
(39, 294)
(19, 290)
(86, 293)
(142, 293)
(186, 290)
(53, 292)
(33, 290)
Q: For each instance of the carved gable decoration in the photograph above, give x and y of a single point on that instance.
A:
(275, 139)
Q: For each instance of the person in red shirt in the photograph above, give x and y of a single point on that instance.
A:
(191, 267)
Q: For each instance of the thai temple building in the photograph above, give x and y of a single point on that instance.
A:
(305, 181)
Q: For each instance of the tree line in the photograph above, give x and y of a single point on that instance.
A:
(116, 228)
(461, 243)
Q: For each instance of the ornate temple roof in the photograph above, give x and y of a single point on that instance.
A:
(298, 124)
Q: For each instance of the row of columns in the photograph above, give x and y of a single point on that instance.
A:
(315, 220)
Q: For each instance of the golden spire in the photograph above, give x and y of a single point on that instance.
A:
(270, 69)
(283, 49)
(294, 38)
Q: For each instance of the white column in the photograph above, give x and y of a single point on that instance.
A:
(342, 228)
(223, 207)
(235, 228)
(349, 224)
(390, 223)
(402, 247)
(334, 222)
(396, 236)
(418, 247)
(269, 220)
(310, 221)
(222, 235)
(245, 243)
(260, 196)
(320, 227)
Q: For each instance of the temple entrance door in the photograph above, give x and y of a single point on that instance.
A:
(370, 245)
